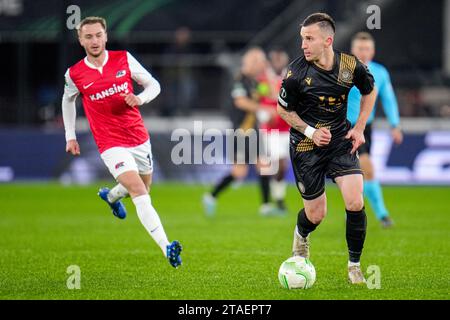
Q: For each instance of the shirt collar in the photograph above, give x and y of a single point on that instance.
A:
(90, 65)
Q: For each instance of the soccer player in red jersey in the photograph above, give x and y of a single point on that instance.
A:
(103, 79)
(277, 129)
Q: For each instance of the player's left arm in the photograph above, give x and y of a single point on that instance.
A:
(364, 81)
(152, 88)
(390, 107)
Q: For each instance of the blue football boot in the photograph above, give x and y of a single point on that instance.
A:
(173, 253)
(118, 208)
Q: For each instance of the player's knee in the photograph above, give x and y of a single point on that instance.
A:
(239, 172)
(317, 216)
(317, 213)
(355, 204)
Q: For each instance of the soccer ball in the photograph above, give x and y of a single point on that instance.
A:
(297, 273)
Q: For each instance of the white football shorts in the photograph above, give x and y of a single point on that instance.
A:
(122, 159)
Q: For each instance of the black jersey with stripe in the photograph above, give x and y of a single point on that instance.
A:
(319, 96)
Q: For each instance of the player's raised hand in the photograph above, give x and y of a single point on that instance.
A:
(131, 99)
(73, 147)
(357, 137)
(322, 137)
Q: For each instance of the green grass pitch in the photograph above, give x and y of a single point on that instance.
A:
(235, 255)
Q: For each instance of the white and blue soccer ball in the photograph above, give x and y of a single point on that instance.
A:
(297, 273)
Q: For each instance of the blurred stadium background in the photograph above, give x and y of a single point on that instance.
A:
(193, 47)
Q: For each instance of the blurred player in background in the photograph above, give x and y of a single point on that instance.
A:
(104, 81)
(313, 100)
(279, 60)
(270, 120)
(363, 47)
(246, 94)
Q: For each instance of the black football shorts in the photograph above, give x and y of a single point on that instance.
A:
(313, 166)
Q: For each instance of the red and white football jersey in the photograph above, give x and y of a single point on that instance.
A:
(276, 123)
(113, 123)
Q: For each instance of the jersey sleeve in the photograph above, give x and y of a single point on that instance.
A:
(363, 79)
(152, 88)
(70, 89)
(239, 89)
(388, 100)
(289, 96)
(68, 107)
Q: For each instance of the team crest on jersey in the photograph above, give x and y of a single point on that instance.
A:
(346, 75)
(289, 74)
(346, 69)
(121, 73)
(119, 165)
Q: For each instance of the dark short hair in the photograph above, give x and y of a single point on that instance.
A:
(363, 36)
(324, 20)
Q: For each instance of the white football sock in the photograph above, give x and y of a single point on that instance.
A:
(117, 193)
(352, 264)
(150, 219)
(278, 189)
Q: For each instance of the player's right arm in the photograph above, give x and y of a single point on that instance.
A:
(69, 114)
(287, 101)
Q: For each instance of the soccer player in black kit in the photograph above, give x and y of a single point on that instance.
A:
(313, 100)
(246, 99)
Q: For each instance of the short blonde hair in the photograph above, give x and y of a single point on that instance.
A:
(91, 20)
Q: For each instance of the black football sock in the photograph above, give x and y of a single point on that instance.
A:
(304, 226)
(225, 182)
(356, 233)
(265, 188)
